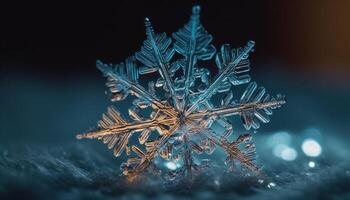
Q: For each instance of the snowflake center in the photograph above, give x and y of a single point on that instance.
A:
(182, 118)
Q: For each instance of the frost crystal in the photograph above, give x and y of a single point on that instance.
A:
(177, 117)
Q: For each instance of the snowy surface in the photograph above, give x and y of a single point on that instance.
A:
(78, 171)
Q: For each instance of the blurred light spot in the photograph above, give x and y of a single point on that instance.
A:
(289, 154)
(271, 185)
(217, 182)
(261, 181)
(277, 150)
(281, 137)
(170, 165)
(311, 148)
(312, 164)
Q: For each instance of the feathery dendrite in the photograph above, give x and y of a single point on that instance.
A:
(176, 118)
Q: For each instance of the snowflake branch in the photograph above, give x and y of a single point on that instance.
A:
(193, 42)
(233, 151)
(223, 75)
(190, 57)
(122, 128)
(188, 162)
(147, 159)
(236, 109)
(136, 88)
(158, 45)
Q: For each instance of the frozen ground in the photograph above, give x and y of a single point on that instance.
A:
(78, 171)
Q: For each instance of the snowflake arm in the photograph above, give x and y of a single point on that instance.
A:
(193, 42)
(146, 159)
(115, 131)
(188, 162)
(156, 52)
(235, 58)
(123, 81)
(111, 126)
(253, 103)
(245, 158)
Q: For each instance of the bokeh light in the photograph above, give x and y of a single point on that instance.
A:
(312, 164)
(277, 150)
(280, 143)
(311, 148)
(281, 137)
(289, 154)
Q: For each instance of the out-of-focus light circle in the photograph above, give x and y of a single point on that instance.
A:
(289, 154)
(280, 137)
(216, 182)
(311, 148)
(278, 149)
(312, 164)
(170, 165)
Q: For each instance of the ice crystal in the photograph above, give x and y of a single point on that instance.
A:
(184, 119)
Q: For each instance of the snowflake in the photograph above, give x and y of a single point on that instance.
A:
(177, 117)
